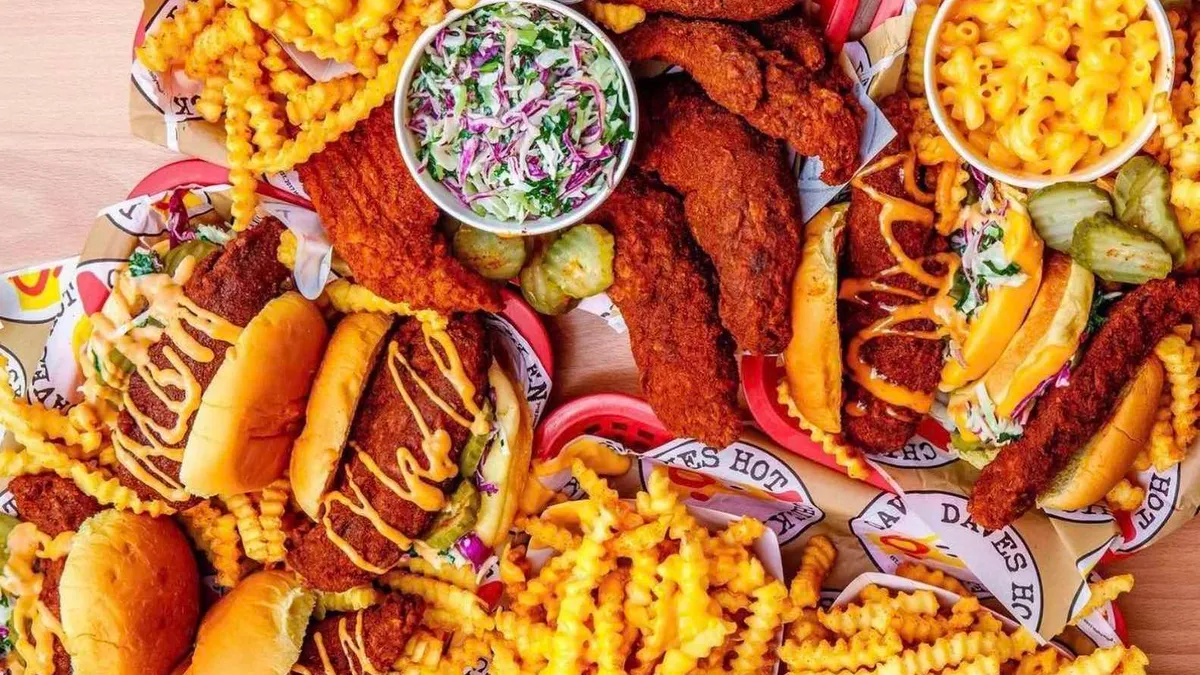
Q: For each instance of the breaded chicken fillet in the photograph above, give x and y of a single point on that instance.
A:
(791, 100)
(663, 286)
(731, 10)
(383, 225)
(740, 202)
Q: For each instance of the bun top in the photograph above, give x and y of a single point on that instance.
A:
(1098, 466)
(253, 408)
(130, 595)
(258, 628)
(351, 357)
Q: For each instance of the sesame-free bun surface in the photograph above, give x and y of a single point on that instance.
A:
(256, 629)
(252, 410)
(130, 595)
(351, 357)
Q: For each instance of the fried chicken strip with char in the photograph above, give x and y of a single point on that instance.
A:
(663, 287)
(740, 202)
(54, 505)
(730, 10)
(386, 627)
(235, 283)
(781, 97)
(1069, 416)
(383, 424)
(911, 362)
(383, 225)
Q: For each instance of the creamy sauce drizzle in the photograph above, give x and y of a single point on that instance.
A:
(415, 483)
(353, 646)
(116, 335)
(31, 618)
(937, 307)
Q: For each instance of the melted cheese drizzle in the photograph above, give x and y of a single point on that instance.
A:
(415, 484)
(30, 617)
(354, 647)
(937, 308)
(114, 333)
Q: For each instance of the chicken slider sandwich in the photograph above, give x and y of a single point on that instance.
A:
(417, 443)
(112, 593)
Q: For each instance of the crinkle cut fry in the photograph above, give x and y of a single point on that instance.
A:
(814, 112)
(664, 289)
(384, 227)
(740, 203)
(1063, 422)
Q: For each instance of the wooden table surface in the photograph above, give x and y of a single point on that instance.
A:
(65, 151)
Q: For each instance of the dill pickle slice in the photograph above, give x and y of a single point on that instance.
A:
(472, 452)
(1057, 209)
(7, 523)
(196, 248)
(1117, 252)
(541, 292)
(1146, 205)
(581, 261)
(456, 518)
(492, 256)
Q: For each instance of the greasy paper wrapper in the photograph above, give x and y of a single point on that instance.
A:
(873, 530)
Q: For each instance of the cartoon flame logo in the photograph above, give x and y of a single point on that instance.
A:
(704, 488)
(37, 290)
(922, 548)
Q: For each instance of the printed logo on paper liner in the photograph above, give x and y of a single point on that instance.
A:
(14, 370)
(529, 369)
(174, 96)
(1000, 558)
(56, 379)
(743, 478)
(925, 450)
(1162, 498)
(32, 295)
(891, 535)
(1096, 513)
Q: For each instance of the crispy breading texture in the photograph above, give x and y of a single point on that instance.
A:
(740, 202)
(664, 289)
(813, 110)
(383, 225)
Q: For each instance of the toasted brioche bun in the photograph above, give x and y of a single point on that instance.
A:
(1103, 462)
(351, 357)
(129, 594)
(991, 330)
(813, 358)
(252, 410)
(257, 628)
(507, 463)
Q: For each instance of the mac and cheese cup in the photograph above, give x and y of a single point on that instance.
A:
(1019, 139)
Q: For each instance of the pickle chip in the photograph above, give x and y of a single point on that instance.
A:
(1117, 252)
(581, 261)
(542, 292)
(196, 248)
(492, 256)
(456, 518)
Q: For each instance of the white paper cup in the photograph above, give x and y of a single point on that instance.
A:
(442, 196)
(1108, 162)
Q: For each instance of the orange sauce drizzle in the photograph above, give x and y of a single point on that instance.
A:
(31, 618)
(415, 483)
(353, 646)
(936, 307)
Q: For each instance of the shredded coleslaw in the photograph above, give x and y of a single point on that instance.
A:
(519, 111)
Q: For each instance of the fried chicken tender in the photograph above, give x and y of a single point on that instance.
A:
(731, 10)
(1069, 416)
(383, 225)
(385, 628)
(791, 100)
(740, 202)
(54, 504)
(236, 284)
(663, 286)
(385, 422)
(911, 362)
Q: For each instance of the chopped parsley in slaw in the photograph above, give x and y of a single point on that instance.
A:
(519, 111)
